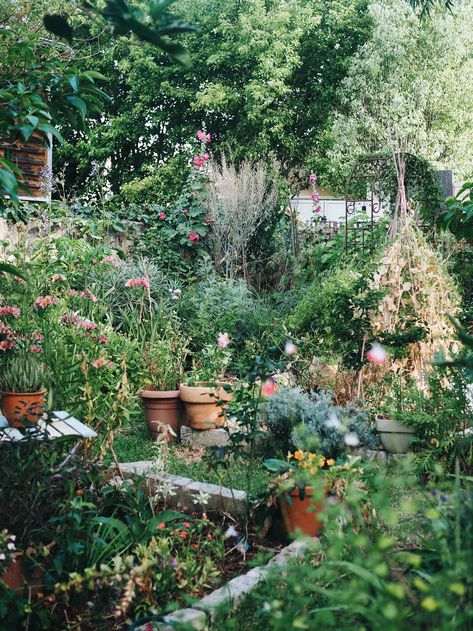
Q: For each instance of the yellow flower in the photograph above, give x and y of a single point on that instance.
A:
(289, 455)
(346, 466)
(321, 462)
(299, 455)
(311, 457)
(313, 470)
(330, 462)
(304, 465)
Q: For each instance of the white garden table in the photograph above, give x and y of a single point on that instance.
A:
(62, 425)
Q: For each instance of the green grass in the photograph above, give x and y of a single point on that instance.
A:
(135, 443)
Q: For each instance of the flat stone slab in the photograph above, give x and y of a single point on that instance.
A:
(203, 612)
(220, 498)
(203, 438)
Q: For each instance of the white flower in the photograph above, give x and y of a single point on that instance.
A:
(351, 439)
(2, 556)
(231, 532)
(11, 546)
(176, 293)
(333, 422)
(290, 348)
(266, 608)
(202, 498)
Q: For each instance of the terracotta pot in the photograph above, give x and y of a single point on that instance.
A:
(16, 579)
(202, 410)
(395, 437)
(300, 514)
(18, 406)
(162, 406)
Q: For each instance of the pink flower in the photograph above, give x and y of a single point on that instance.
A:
(20, 280)
(142, 281)
(315, 197)
(194, 237)
(110, 260)
(317, 209)
(312, 177)
(98, 363)
(377, 354)
(268, 388)
(58, 278)
(5, 345)
(290, 348)
(203, 137)
(36, 348)
(14, 311)
(162, 215)
(199, 161)
(73, 293)
(102, 338)
(208, 220)
(42, 302)
(87, 325)
(37, 336)
(185, 212)
(88, 294)
(223, 340)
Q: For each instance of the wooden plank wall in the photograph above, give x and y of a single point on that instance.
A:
(32, 159)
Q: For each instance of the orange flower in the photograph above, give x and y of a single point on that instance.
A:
(330, 462)
(161, 525)
(299, 455)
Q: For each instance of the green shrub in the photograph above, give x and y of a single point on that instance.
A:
(334, 309)
(295, 419)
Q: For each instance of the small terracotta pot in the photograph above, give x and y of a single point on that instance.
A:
(202, 410)
(16, 579)
(162, 406)
(300, 514)
(18, 406)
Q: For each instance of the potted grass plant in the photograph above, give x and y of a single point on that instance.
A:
(163, 367)
(206, 392)
(22, 389)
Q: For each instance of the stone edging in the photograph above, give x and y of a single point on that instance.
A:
(221, 498)
(202, 613)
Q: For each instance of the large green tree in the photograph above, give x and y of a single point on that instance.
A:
(263, 81)
(408, 88)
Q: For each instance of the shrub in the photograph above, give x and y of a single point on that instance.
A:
(295, 419)
(334, 309)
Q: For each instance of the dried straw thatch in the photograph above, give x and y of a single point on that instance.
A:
(419, 289)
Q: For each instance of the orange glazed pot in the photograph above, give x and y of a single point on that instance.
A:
(18, 406)
(202, 410)
(300, 514)
(162, 407)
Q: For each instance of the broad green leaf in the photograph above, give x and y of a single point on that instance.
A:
(80, 104)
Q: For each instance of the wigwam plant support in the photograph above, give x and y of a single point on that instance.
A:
(419, 295)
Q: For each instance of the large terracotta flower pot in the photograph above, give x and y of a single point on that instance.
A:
(395, 437)
(302, 515)
(202, 410)
(19, 406)
(162, 407)
(16, 579)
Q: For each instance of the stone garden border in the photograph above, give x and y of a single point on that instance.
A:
(202, 613)
(221, 498)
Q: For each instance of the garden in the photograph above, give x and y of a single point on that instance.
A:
(215, 415)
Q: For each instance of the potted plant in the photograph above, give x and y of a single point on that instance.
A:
(206, 392)
(392, 424)
(22, 389)
(163, 366)
(301, 485)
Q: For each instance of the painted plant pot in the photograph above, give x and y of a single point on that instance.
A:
(19, 406)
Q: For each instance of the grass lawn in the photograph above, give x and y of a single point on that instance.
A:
(135, 443)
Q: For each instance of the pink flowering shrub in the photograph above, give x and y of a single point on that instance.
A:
(42, 302)
(13, 311)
